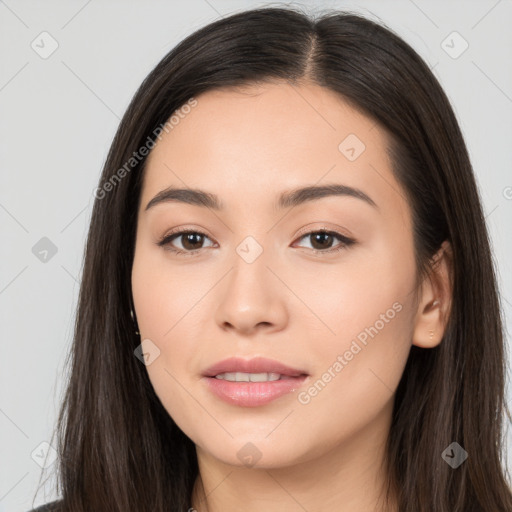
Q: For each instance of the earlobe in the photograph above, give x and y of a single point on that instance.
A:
(429, 329)
(434, 303)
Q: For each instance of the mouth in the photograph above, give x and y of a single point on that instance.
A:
(252, 377)
(253, 382)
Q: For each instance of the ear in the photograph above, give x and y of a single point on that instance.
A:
(435, 300)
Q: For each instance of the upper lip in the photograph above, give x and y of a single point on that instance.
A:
(255, 365)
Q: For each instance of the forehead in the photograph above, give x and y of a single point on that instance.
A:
(259, 140)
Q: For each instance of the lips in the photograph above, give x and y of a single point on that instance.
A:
(256, 365)
(252, 382)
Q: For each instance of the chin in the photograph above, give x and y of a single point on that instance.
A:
(256, 453)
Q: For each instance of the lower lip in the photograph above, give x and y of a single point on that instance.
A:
(252, 394)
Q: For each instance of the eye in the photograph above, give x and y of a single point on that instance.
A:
(191, 241)
(322, 240)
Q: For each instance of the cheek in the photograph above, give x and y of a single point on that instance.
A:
(164, 293)
(368, 292)
(363, 311)
(166, 299)
(355, 376)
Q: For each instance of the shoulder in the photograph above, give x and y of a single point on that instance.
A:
(53, 506)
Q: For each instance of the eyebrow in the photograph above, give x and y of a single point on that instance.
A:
(287, 199)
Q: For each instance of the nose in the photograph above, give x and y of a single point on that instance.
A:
(252, 299)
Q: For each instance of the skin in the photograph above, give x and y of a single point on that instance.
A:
(291, 304)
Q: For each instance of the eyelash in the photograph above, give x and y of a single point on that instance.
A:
(166, 241)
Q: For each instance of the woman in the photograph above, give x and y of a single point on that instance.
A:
(288, 298)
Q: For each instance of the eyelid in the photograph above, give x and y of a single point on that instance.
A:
(186, 229)
(319, 226)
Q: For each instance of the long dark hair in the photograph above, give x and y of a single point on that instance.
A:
(119, 448)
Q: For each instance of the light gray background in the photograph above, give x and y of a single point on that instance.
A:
(57, 119)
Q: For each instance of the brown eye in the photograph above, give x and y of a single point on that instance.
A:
(190, 241)
(322, 241)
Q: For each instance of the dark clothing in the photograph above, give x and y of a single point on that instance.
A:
(48, 507)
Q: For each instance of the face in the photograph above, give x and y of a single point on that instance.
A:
(314, 289)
